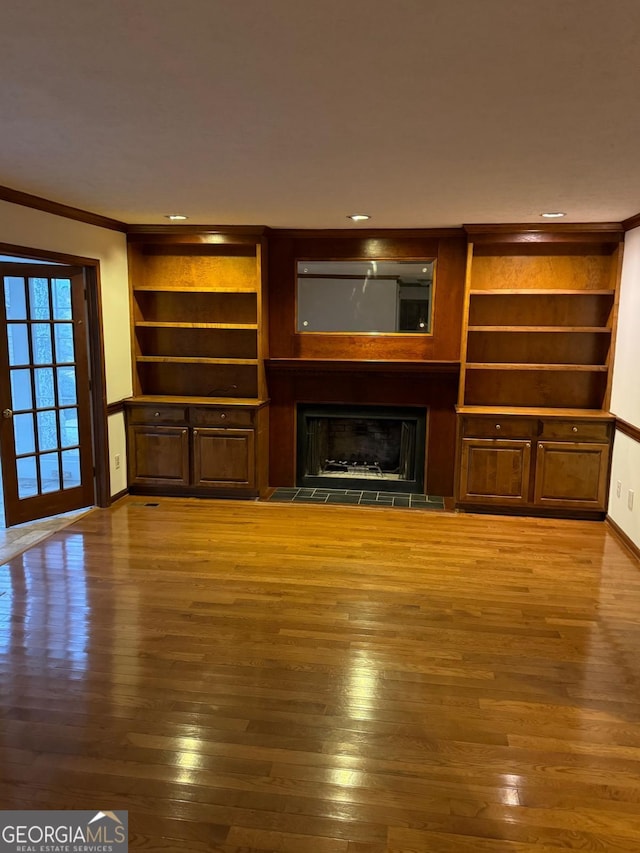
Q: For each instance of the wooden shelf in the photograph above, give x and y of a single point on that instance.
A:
(353, 366)
(183, 359)
(161, 324)
(159, 399)
(498, 291)
(169, 288)
(570, 368)
(545, 329)
(540, 412)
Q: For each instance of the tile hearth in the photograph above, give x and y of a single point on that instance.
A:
(361, 498)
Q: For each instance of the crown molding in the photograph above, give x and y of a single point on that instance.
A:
(365, 233)
(47, 206)
(631, 222)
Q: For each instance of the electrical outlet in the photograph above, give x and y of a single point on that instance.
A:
(618, 488)
(630, 499)
(116, 461)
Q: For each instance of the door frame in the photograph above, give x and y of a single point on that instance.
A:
(95, 346)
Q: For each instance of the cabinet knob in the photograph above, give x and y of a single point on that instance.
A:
(528, 444)
(574, 429)
(540, 444)
(223, 416)
(195, 432)
(156, 414)
(498, 426)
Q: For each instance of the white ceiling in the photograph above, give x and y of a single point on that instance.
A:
(295, 113)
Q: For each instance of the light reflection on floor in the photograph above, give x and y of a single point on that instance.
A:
(14, 540)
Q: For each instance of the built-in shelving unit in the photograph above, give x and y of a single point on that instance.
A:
(540, 315)
(538, 339)
(198, 423)
(198, 314)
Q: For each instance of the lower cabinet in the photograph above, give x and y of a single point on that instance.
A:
(549, 463)
(495, 471)
(224, 456)
(197, 450)
(575, 474)
(159, 456)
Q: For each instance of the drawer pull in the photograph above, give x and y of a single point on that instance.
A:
(498, 426)
(223, 416)
(184, 432)
(574, 429)
(195, 432)
(156, 414)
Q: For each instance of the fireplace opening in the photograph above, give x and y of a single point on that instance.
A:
(361, 447)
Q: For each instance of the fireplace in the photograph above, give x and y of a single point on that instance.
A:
(361, 447)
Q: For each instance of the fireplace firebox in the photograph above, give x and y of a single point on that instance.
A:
(361, 447)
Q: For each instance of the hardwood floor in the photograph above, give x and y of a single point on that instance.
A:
(250, 676)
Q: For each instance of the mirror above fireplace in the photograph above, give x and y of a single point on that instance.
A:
(365, 296)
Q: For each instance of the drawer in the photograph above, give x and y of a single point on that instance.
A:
(497, 427)
(157, 415)
(221, 416)
(576, 430)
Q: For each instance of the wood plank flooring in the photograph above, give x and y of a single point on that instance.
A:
(264, 677)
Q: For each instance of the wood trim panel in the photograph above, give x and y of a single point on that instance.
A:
(366, 233)
(194, 233)
(98, 384)
(570, 232)
(46, 255)
(115, 408)
(628, 429)
(619, 533)
(442, 345)
(631, 222)
(58, 209)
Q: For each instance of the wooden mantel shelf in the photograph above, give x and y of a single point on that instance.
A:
(356, 365)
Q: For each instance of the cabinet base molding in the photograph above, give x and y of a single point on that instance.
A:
(619, 533)
(532, 512)
(184, 492)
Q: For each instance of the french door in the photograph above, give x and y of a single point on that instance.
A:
(45, 399)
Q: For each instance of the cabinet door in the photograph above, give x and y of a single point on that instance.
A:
(571, 474)
(158, 456)
(494, 472)
(224, 457)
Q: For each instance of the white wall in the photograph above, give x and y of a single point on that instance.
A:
(625, 469)
(625, 397)
(35, 229)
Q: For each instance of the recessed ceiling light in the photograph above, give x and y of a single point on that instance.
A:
(175, 216)
(553, 215)
(358, 217)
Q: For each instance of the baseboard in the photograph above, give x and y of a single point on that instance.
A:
(121, 494)
(619, 533)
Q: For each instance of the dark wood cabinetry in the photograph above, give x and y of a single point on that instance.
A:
(495, 471)
(224, 458)
(558, 461)
(205, 449)
(535, 378)
(198, 422)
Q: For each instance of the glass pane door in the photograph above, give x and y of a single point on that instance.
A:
(47, 457)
